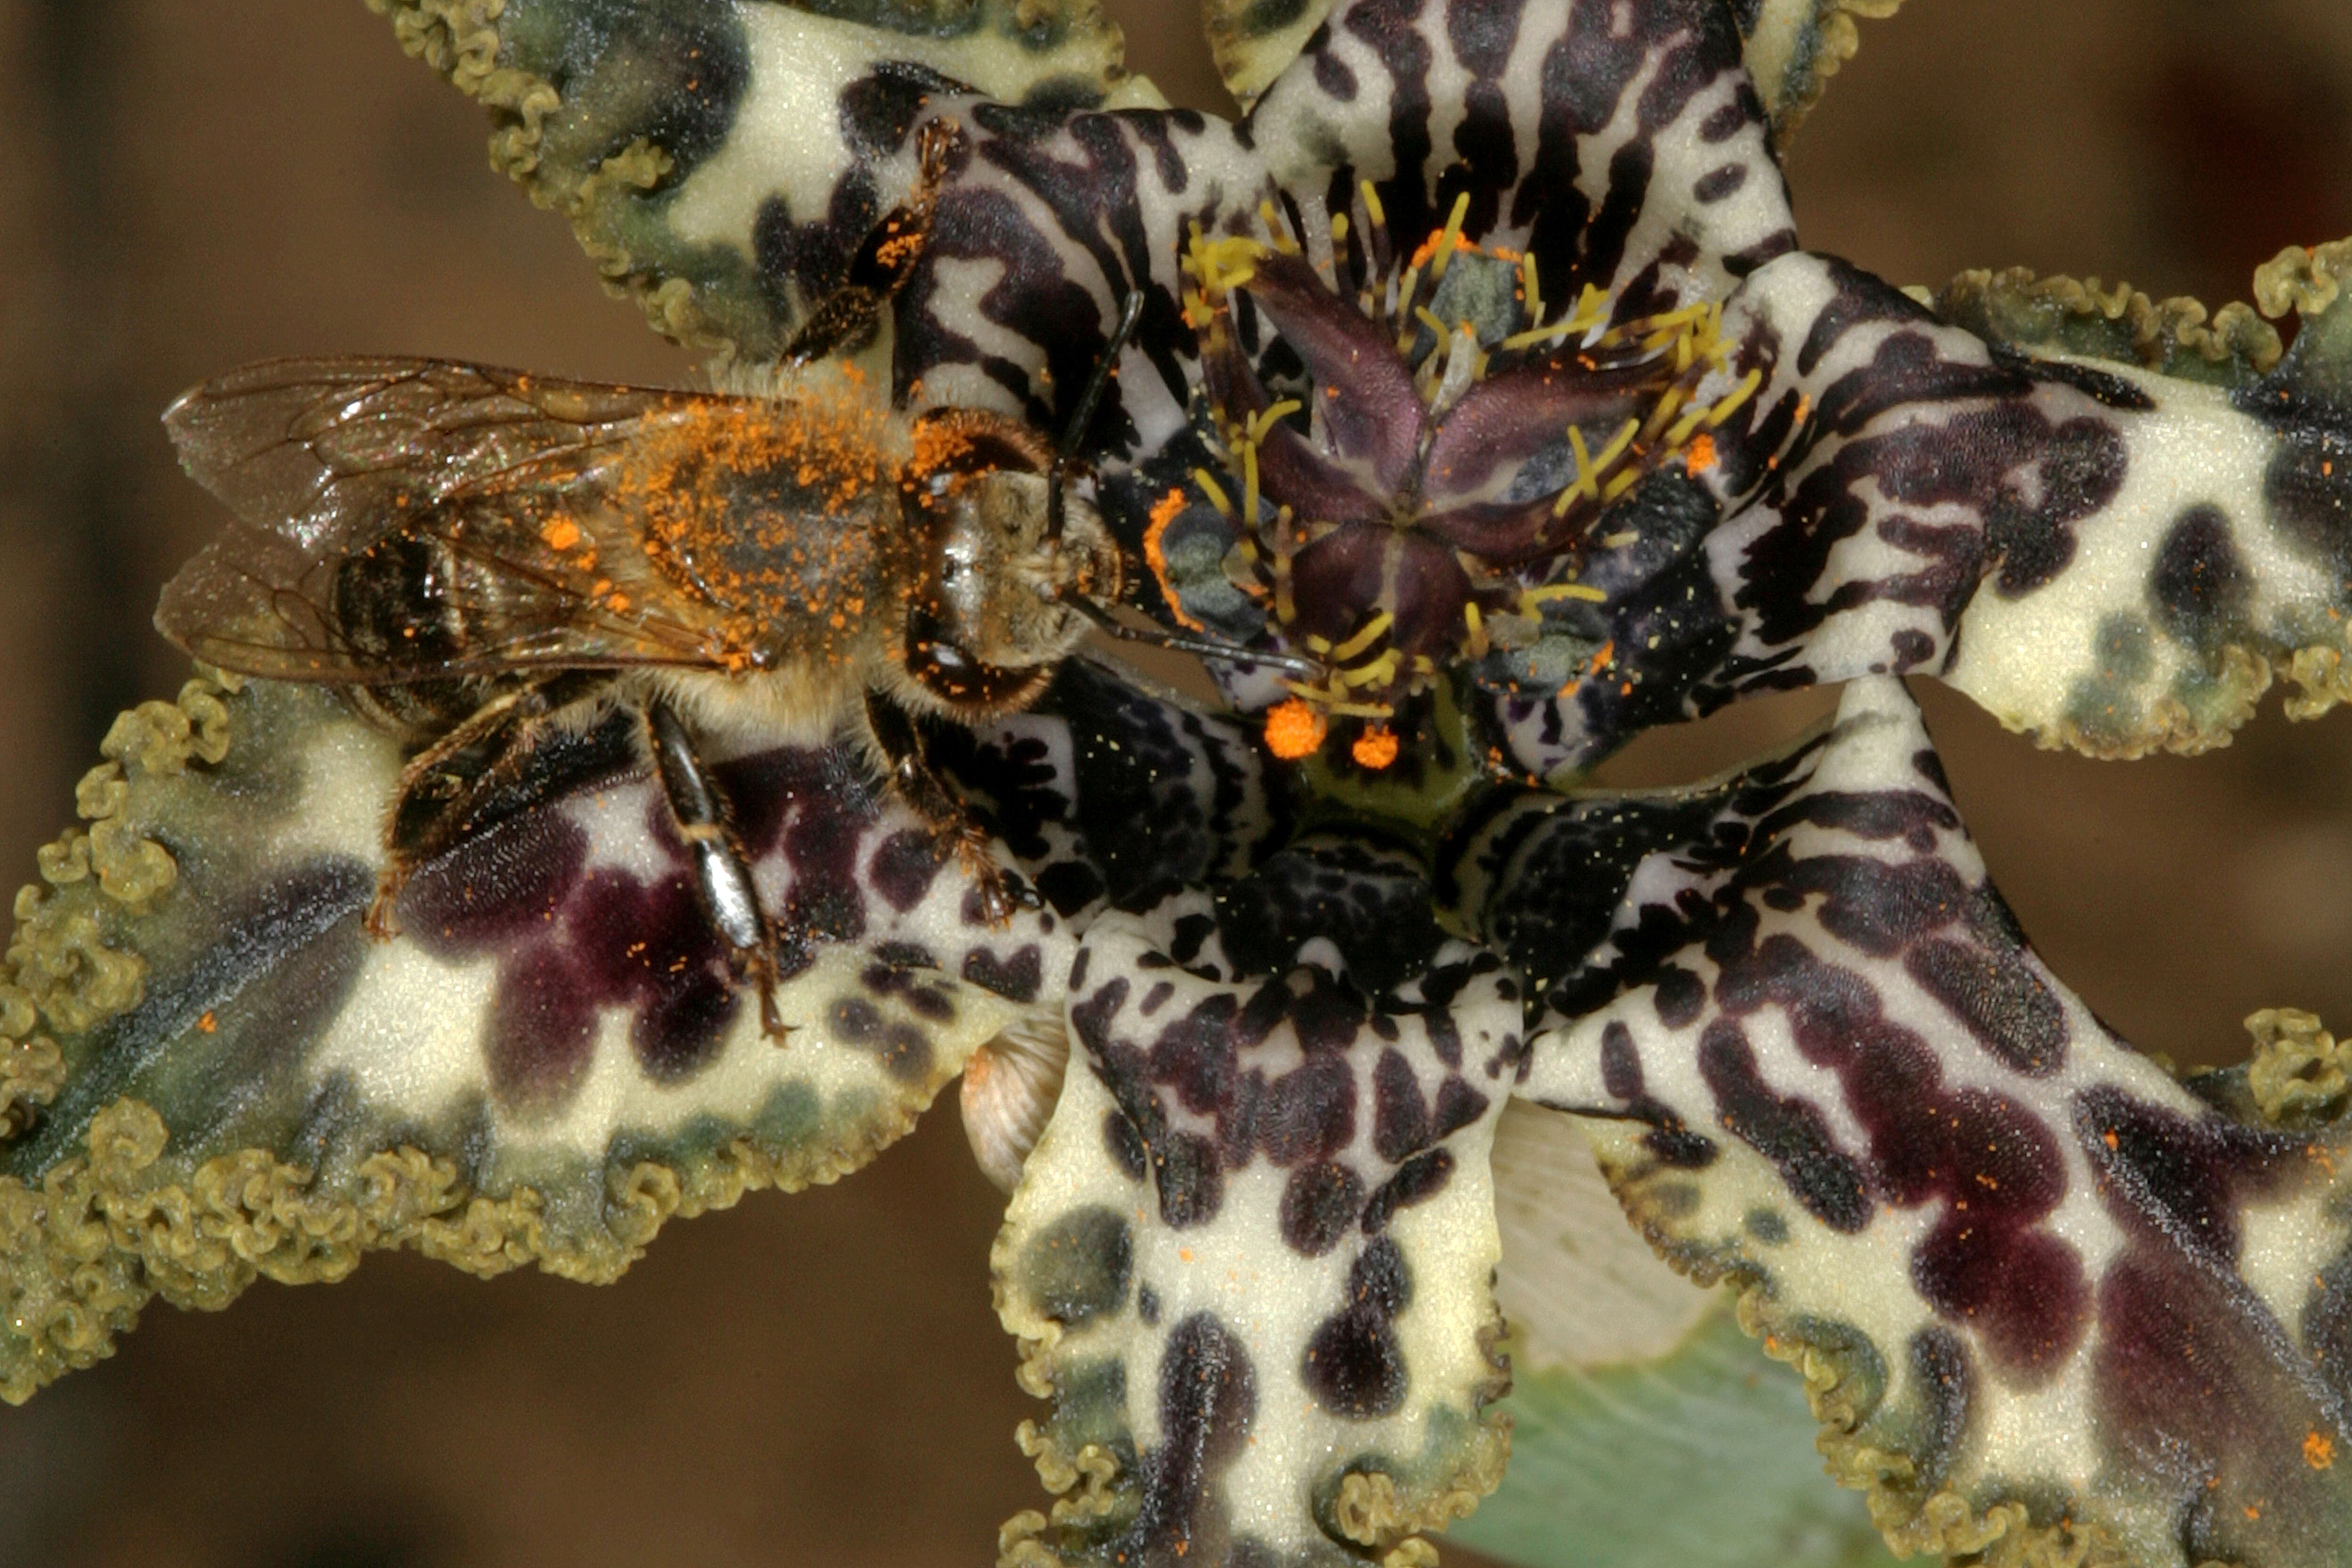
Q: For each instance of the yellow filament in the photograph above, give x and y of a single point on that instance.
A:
(1445, 241)
(1335, 706)
(1584, 485)
(1249, 485)
(1666, 407)
(1409, 285)
(1268, 417)
(1368, 634)
(1530, 597)
(1699, 414)
(1535, 335)
(1617, 444)
(1728, 403)
(1216, 495)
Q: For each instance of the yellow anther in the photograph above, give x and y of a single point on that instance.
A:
(1338, 228)
(1530, 290)
(1619, 485)
(1372, 203)
(1249, 484)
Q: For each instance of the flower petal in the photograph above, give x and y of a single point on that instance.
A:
(721, 163)
(2041, 1290)
(2104, 556)
(1249, 1260)
(1107, 791)
(229, 1078)
(1794, 47)
(1623, 143)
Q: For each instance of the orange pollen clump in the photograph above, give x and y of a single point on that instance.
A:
(1164, 511)
(2318, 1450)
(1428, 246)
(1376, 748)
(1294, 730)
(560, 534)
(1700, 457)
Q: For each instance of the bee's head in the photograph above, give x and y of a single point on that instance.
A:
(1007, 565)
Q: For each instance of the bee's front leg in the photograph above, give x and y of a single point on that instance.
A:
(901, 743)
(722, 875)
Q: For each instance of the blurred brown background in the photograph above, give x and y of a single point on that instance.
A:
(819, 1379)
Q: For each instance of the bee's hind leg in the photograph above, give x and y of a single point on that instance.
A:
(722, 875)
(445, 788)
(901, 744)
(848, 317)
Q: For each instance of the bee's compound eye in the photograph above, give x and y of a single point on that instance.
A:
(948, 670)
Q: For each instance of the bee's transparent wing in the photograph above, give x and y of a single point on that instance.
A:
(324, 461)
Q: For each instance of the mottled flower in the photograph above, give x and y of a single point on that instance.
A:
(1483, 393)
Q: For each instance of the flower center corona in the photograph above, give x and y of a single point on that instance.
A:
(1416, 464)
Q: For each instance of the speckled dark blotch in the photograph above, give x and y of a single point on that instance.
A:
(1208, 1401)
(1320, 1204)
(1078, 1267)
(1016, 979)
(1353, 1364)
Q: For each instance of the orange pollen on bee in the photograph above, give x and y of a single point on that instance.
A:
(1376, 748)
(2319, 1447)
(1165, 510)
(1294, 729)
(561, 534)
(1699, 457)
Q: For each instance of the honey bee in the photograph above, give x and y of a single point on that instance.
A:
(475, 557)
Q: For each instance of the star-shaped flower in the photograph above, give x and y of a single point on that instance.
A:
(1484, 407)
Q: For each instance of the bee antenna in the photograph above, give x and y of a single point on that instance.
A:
(1130, 312)
(1198, 648)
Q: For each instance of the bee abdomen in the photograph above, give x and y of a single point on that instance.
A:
(394, 606)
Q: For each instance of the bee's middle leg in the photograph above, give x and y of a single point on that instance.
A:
(920, 786)
(722, 875)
